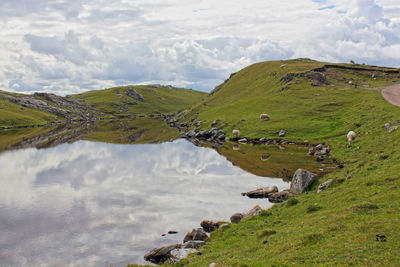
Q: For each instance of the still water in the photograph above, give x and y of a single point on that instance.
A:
(96, 204)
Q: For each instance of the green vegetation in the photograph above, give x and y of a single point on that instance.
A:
(12, 114)
(165, 99)
(338, 226)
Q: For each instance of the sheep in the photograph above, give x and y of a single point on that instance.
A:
(236, 132)
(351, 136)
(264, 116)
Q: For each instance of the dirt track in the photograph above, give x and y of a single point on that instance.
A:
(392, 94)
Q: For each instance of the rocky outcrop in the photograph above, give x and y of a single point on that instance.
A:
(281, 196)
(196, 234)
(324, 185)
(134, 94)
(161, 255)
(302, 179)
(261, 192)
(67, 107)
(316, 78)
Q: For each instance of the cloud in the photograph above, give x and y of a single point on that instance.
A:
(69, 47)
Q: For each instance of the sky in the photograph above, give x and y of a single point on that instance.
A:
(72, 46)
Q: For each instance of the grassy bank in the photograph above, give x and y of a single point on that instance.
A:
(339, 225)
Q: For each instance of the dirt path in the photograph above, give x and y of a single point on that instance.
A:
(392, 94)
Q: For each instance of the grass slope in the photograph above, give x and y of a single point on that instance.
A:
(163, 99)
(337, 226)
(12, 114)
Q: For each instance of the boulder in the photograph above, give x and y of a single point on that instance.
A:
(195, 234)
(236, 132)
(134, 94)
(197, 123)
(253, 212)
(282, 133)
(209, 226)
(391, 129)
(237, 217)
(179, 254)
(324, 185)
(302, 179)
(261, 192)
(279, 197)
(160, 255)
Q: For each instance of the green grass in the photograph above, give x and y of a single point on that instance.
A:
(115, 102)
(15, 115)
(336, 227)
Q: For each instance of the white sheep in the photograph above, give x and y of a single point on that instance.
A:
(351, 136)
(236, 132)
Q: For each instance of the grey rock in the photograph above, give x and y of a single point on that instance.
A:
(214, 123)
(302, 179)
(324, 185)
(196, 234)
(161, 254)
(237, 217)
(391, 129)
(134, 94)
(281, 196)
(197, 123)
(179, 254)
(282, 133)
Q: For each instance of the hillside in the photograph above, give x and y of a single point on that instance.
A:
(19, 110)
(141, 99)
(317, 102)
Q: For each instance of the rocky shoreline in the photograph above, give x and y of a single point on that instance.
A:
(198, 237)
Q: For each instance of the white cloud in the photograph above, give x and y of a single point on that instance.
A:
(72, 46)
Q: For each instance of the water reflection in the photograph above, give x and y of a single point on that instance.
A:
(96, 204)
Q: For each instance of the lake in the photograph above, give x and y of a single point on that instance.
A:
(88, 203)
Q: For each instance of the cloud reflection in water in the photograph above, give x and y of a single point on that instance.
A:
(95, 204)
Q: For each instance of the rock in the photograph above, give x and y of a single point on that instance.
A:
(236, 147)
(387, 125)
(209, 226)
(224, 225)
(214, 123)
(253, 212)
(237, 217)
(391, 129)
(282, 133)
(172, 232)
(236, 132)
(194, 244)
(324, 185)
(265, 157)
(264, 117)
(302, 179)
(213, 264)
(134, 94)
(195, 234)
(261, 192)
(279, 197)
(197, 123)
(179, 254)
(317, 78)
(243, 141)
(160, 255)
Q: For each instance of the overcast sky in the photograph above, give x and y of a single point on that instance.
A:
(71, 46)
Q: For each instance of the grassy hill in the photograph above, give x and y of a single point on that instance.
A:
(156, 99)
(339, 225)
(17, 110)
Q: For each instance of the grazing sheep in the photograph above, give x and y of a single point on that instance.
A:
(264, 116)
(351, 136)
(236, 132)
